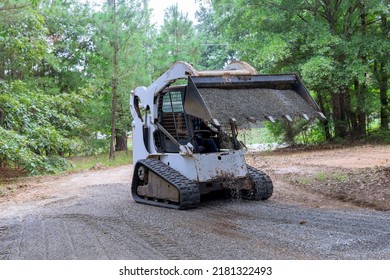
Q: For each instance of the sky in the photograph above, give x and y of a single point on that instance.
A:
(159, 6)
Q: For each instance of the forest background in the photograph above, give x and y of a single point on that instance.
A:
(67, 67)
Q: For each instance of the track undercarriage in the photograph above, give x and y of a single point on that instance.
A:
(158, 184)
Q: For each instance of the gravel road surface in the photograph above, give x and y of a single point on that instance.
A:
(103, 222)
(82, 217)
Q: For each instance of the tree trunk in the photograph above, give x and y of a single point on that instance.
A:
(383, 79)
(121, 140)
(1, 117)
(359, 130)
(383, 88)
(338, 105)
(2, 63)
(361, 88)
(325, 123)
(114, 104)
(114, 87)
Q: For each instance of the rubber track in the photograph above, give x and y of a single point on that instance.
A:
(188, 190)
(263, 186)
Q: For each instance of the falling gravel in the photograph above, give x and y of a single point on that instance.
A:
(254, 104)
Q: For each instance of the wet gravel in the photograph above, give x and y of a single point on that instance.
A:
(103, 222)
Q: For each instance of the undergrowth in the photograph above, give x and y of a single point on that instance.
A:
(102, 160)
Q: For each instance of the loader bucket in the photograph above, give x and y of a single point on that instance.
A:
(249, 98)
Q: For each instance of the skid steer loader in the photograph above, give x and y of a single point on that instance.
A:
(185, 131)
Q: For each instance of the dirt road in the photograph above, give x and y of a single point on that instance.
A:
(91, 215)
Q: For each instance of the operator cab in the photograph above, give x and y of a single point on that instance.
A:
(184, 128)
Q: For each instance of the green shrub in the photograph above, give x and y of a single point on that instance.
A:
(296, 132)
(37, 129)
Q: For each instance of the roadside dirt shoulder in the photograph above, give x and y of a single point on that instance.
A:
(330, 178)
(46, 187)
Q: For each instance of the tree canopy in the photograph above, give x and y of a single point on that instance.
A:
(340, 48)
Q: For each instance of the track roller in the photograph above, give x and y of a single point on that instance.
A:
(158, 184)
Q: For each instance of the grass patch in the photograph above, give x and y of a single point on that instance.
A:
(340, 177)
(321, 176)
(88, 162)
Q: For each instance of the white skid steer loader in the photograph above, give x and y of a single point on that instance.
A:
(185, 136)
